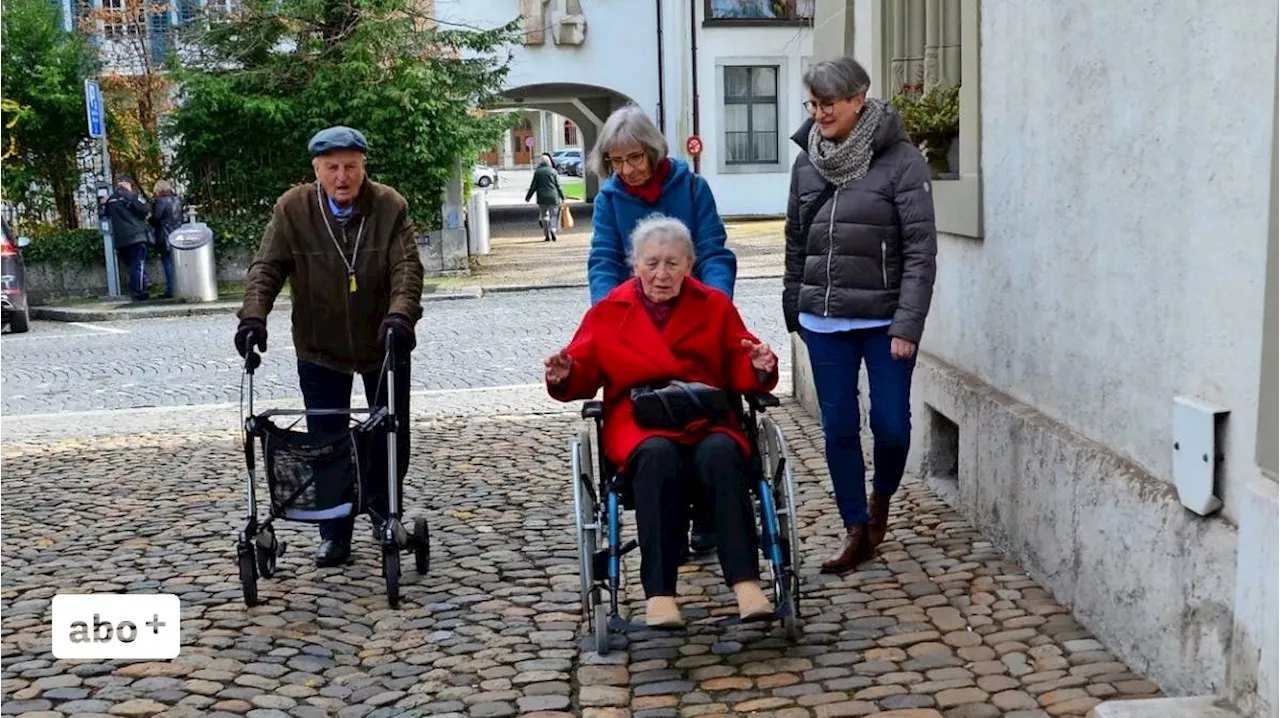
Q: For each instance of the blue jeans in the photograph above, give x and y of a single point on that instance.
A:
(324, 388)
(835, 358)
(135, 257)
(166, 261)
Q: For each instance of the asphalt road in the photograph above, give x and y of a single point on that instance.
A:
(499, 340)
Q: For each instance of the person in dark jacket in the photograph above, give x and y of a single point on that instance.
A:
(860, 265)
(345, 244)
(127, 213)
(546, 185)
(166, 216)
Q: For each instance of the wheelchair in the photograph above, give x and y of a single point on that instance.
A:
(601, 494)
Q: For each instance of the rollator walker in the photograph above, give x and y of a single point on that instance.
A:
(313, 477)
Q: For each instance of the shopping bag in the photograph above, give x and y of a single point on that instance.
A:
(566, 219)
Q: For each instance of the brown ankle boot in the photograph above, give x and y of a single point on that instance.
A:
(879, 520)
(854, 550)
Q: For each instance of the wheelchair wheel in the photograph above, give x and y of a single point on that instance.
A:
(421, 546)
(248, 572)
(584, 513)
(778, 466)
(600, 624)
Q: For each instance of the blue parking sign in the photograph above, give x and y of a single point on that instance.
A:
(93, 107)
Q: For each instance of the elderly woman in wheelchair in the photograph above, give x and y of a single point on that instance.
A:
(670, 354)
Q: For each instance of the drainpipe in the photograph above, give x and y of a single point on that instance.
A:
(662, 105)
(693, 37)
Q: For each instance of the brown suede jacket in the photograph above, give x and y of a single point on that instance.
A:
(333, 326)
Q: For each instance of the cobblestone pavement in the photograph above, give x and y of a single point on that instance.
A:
(495, 341)
(940, 625)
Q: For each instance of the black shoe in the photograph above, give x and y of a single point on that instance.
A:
(332, 553)
(700, 542)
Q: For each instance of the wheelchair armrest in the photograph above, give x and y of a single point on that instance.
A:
(759, 402)
(592, 409)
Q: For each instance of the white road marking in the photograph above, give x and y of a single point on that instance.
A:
(784, 389)
(98, 328)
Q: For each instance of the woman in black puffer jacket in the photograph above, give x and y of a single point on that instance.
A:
(860, 266)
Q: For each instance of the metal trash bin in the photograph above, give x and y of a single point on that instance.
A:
(195, 276)
(478, 222)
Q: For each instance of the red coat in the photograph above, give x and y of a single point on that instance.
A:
(617, 346)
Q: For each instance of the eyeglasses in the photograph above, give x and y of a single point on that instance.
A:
(635, 159)
(823, 106)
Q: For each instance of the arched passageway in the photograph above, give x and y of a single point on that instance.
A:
(588, 106)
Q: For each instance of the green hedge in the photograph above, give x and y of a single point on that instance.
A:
(57, 247)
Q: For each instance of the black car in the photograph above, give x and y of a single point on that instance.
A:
(13, 282)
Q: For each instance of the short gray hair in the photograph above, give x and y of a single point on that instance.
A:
(627, 125)
(162, 186)
(837, 79)
(544, 160)
(662, 229)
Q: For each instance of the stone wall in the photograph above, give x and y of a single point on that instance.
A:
(1110, 540)
(46, 283)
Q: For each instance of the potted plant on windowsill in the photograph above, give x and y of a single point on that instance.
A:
(932, 120)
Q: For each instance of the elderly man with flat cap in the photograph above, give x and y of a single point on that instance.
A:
(346, 246)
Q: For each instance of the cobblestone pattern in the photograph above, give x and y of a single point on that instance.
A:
(940, 624)
(488, 632)
(495, 341)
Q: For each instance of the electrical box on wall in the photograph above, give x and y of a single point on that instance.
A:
(1196, 453)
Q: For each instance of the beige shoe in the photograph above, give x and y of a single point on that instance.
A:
(753, 605)
(662, 612)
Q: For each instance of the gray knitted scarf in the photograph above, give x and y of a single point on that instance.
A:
(845, 161)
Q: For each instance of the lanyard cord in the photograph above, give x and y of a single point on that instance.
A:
(351, 266)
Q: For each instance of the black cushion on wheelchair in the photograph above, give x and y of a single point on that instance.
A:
(592, 409)
(758, 402)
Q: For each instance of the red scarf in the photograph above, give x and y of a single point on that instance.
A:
(650, 191)
(660, 313)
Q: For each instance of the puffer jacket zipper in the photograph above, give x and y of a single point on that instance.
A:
(831, 229)
(884, 265)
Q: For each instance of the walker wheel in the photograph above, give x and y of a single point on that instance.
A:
(266, 555)
(421, 545)
(248, 573)
(391, 572)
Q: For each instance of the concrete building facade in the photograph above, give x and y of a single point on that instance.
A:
(1097, 380)
(727, 71)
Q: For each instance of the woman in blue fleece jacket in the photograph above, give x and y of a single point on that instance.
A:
(640, 180)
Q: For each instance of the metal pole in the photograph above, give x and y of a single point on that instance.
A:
(108, 242)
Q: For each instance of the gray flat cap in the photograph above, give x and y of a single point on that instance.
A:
(337, 138)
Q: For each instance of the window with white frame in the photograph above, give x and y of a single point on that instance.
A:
(931, 53)
(116, 21)
(751, 115)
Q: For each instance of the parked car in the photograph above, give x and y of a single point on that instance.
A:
(484, 176)
(571, 156)
(13, 281)
(571, 166)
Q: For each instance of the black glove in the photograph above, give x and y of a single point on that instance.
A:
(791, 311)
(402, 327)
(251, 332)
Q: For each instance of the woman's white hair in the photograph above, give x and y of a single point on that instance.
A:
(627, 125)
(661, 229)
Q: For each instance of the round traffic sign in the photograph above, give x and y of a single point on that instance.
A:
(528, 142)
(694, 145)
